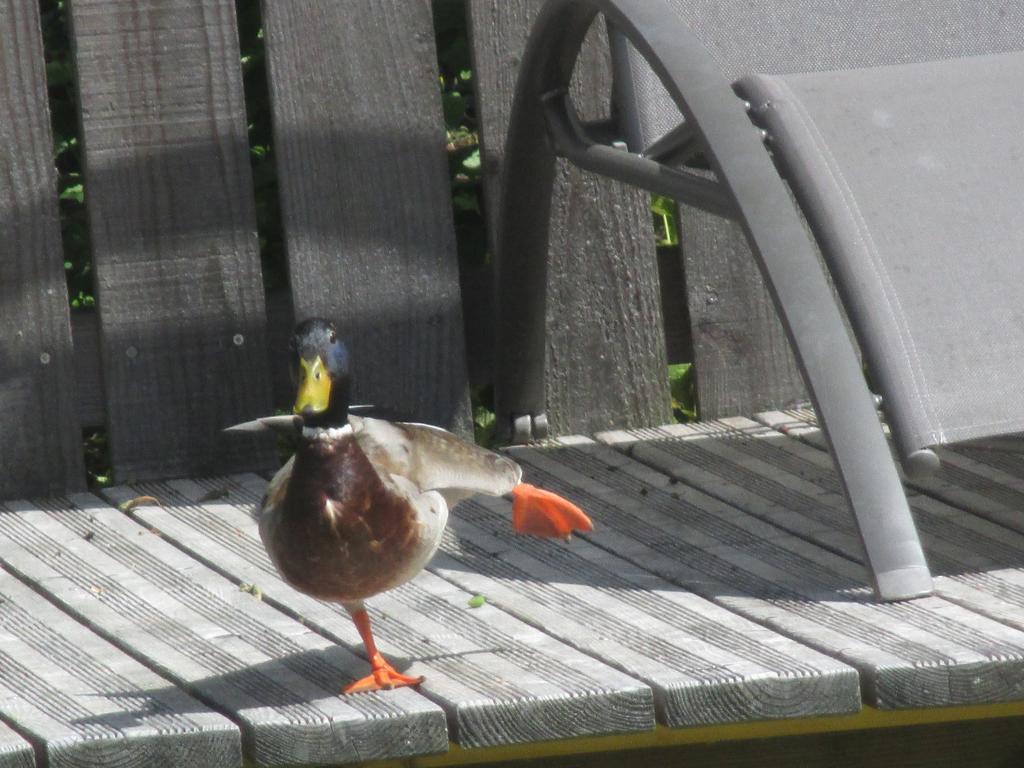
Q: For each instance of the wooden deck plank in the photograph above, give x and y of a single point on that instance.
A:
(42, 447)
(976, 562)
(365, 196)
(705, 664)
(15, 752)
(274, 676)
(85, 702)
(798, 489)
(173, 227)
(987, 482)
(500, 680)
(928, 652)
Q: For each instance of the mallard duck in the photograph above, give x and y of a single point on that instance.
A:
(361, 506)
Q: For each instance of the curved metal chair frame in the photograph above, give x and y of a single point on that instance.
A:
(748, 189)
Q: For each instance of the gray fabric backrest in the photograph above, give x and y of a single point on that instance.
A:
(783, 36)
(912, 178)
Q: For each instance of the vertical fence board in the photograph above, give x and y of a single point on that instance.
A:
(169, 193)
(41, 450)
(743, 358)
(606, 351)
(365, 197)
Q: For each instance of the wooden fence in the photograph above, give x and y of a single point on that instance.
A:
(185, 340)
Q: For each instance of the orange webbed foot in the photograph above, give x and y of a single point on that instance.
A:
(383, 677)
(536, 512)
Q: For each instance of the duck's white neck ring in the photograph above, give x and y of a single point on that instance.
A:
(326, 433)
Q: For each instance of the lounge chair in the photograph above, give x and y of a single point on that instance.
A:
(910, 176)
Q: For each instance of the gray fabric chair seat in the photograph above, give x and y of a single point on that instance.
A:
(912, 178)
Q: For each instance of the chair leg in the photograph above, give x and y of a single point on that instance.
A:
(895, 557)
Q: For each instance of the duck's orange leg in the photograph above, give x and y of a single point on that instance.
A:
(537, 512)
(382, 675)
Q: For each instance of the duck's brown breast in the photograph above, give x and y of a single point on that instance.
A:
(343, 534)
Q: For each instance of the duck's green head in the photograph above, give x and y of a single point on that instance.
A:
(321, 365)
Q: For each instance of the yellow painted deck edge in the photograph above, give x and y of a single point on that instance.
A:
(868, 718)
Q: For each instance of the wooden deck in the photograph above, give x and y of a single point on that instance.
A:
(721, 596)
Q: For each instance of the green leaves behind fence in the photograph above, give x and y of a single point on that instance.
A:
(682, 385)
(666, 231)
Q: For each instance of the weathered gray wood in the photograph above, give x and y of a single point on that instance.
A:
(705, 664)
(606, 351)
(92, 407)
(977, 563)
(991, 482)
(169, 195)
(365, 196)
(1007, 455)
(15, 752)
(788, 482)
(743, 359)
(274, 676)
(500, 680)
(986, 482)
(927, 652)
(41, 450)
(84, 702)
(716, 458)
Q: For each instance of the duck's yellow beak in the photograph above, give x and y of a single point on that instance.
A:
(314, 387)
